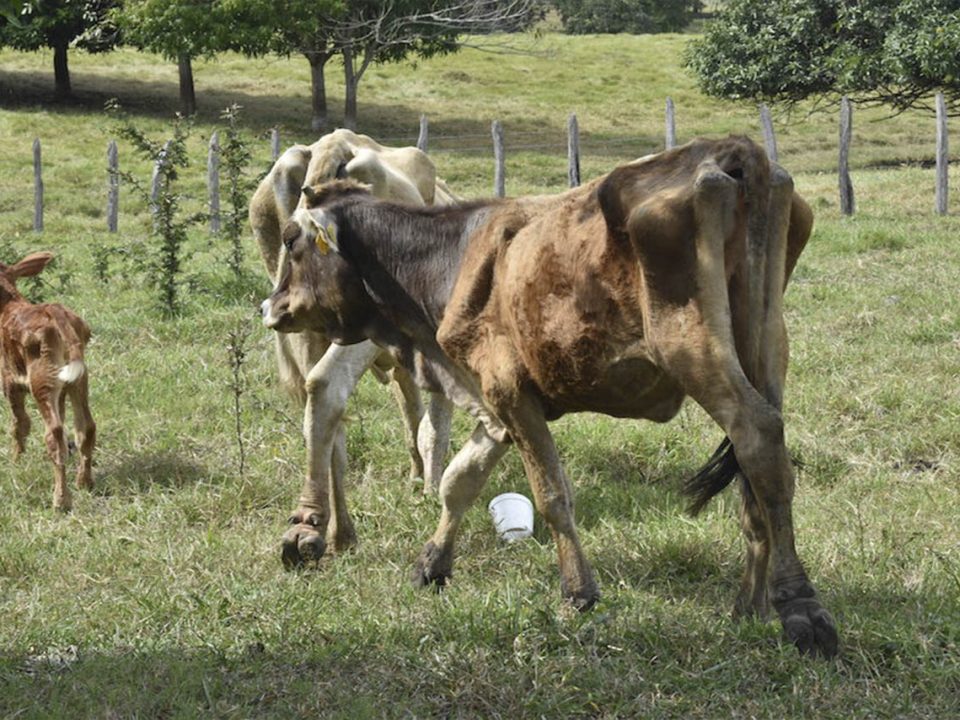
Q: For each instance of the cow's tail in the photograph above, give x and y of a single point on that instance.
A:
(711, 479)
(75, 367)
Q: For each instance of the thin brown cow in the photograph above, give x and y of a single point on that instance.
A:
(662, 280)
(41, 352)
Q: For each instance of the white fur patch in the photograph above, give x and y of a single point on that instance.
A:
(71, 372)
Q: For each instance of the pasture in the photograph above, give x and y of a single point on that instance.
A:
(162, 593)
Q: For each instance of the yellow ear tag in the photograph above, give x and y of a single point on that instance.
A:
(323, 244)
(327, 238)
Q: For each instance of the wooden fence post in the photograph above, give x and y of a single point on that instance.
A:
(113, 186)
(422, 137)
(846, 132)
(274, 143)
(769, 139)
(157, 179)
(671, 125)
(37, 188)
(943, 157)
(573, 151)
(499, 186)
(213, 182)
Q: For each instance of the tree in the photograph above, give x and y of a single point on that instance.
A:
(890, 52)
(179, 30)
(58, 24)
(625, 16)
(369, 31)
(301, 29)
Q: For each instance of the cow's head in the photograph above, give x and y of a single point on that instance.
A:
(317, 289)
(9, 274)
(330, 158)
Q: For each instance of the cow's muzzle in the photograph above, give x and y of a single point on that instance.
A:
(271, 317)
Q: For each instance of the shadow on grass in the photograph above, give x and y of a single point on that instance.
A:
(136, 474)
(390, 123)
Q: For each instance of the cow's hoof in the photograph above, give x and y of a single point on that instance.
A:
(303, 542)
(62, 502)
(432, 568)
(809, 626)
(342, 537)
(749, 605)
(582, 599)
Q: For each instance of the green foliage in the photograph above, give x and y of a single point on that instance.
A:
(169, 227)
(191, 28)
(48, 23)
(59, 24)
(580, 17)
(891, 52)
(235, 156)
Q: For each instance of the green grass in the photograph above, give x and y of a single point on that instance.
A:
(162, 594)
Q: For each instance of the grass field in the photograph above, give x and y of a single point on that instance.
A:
(162, 595)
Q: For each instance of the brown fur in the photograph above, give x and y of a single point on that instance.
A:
(39, 345)
(662, 280)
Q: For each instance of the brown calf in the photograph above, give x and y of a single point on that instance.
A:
(41, 352)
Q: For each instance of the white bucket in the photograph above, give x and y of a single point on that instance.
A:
(512, 516)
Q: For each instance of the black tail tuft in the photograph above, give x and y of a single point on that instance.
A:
(718, 472)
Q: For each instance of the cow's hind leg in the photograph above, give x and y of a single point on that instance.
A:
(47, 395)
(754, 596)
(17, 395)
(709, 368)
(85, 431)
(433, 439)
(462, 481)
(407, 395)
(329, 385)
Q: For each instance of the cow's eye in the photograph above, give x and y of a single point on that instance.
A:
(341, 171)
(290, 233)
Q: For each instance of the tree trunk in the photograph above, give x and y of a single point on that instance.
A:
(188, 99)
(318, 90)
(61, 72)
(350, 81)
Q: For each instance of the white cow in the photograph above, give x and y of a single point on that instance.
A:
(322, 376)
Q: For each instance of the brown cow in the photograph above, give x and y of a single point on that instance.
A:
(660, 280)
(41, 352)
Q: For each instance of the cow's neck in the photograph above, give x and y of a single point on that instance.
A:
(408, 257)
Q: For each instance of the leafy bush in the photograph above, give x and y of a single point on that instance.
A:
(624, 16)
(892, 52)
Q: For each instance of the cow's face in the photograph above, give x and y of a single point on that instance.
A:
(293, 304)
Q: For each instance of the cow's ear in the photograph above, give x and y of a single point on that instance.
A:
(611, 204)
(30, 265)
(327, 238)
(309, 193)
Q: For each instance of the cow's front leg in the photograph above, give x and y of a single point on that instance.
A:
(329, 385)
(553, 498)
(462, 481)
